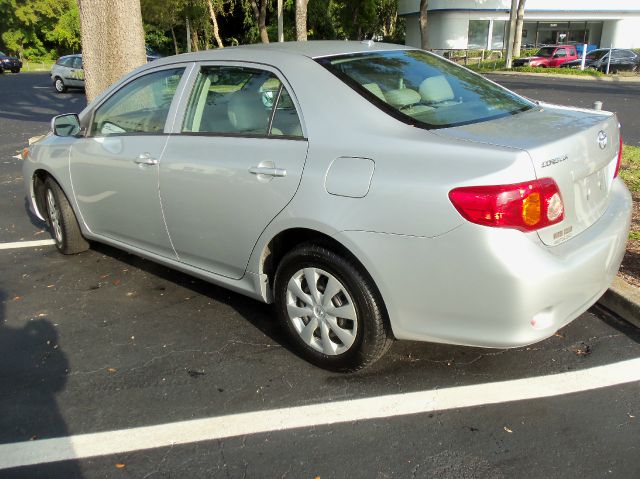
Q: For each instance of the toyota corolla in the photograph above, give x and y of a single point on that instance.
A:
(372, 192)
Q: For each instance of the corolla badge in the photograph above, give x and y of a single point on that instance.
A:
(602, 140)
(554, 161)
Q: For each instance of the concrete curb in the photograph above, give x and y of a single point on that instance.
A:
(635, 79)
(624, 300)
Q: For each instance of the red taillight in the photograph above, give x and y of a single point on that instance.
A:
(619, 159)
(525, 206)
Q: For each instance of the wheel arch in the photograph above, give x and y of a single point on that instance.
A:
(38, 179)
(287, 239)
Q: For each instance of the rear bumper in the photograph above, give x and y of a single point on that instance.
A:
(492, 287)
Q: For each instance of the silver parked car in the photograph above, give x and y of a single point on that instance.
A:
(67, 72)
(370, 191)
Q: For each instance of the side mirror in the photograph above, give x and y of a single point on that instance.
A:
(66, 125)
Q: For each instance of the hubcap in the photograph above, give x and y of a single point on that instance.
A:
(59, 85)
(54, 216)
(321, 311)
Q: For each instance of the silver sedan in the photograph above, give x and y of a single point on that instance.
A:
(372, 192)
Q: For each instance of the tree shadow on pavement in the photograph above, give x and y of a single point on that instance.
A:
(258, 314)
(33, 370)
(610, 318)
(31, 98)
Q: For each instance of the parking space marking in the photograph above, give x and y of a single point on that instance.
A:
(322, 414)
(27, 244)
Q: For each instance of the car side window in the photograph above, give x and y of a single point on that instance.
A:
(66, 62)
(560, 52)
(141, 106)
(77, 63)
(241, 101)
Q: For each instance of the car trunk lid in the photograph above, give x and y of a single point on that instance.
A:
(578, 149)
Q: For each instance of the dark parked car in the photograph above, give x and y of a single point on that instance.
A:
(621, 59)
(8, 63)
(151, 54)
(548, 57)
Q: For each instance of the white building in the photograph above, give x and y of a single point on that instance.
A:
(477, 24)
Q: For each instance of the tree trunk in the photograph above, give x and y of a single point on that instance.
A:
(301, 20)
(214, 19)
(280, 22)
(196, 40)
(112, 41)
(261, 17)
(188, 36)
(517, 41)
(512, 33)
(175, 40)
(424, 4)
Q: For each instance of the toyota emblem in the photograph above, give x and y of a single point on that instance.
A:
(602, 140)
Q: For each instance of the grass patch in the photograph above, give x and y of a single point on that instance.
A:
(562, 71)
(630, 168)
(499, 65)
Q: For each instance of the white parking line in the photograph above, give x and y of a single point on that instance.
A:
(27, 244)
(186, 432)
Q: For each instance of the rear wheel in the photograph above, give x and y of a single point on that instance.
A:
(330, 309)
(62, 220)
(15, 70)
(59, 85)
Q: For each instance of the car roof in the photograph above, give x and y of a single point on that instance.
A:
(325, 48)
(70, 56)
(309, 49)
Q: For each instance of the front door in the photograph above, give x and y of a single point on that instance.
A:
(235, 164)
(114, 169)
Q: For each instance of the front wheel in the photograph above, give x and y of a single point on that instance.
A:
(15, 70)
(330, 309)
(62, 220)
(59, 85)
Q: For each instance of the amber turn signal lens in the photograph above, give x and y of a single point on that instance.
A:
(531, 209)
(25, 153)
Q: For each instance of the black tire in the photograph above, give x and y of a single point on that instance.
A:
(17, 70)
(62, 220)
(373, 334)
(59, 85)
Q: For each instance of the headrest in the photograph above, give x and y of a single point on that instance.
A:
(402, 97)
(247, 113)
(436, 89)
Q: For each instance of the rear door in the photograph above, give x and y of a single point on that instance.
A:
(232, 165)
(76, 73)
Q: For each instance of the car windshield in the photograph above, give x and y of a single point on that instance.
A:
(423, 89)
(2, 54)
(597, 54)
(546, 52)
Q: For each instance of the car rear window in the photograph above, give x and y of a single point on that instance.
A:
(423, 89)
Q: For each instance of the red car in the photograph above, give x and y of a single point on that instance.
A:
(549, 57)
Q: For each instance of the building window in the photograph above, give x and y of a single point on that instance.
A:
(478, 33)
(497, 35)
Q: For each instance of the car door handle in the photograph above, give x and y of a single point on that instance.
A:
(266, 171)
(145, 159)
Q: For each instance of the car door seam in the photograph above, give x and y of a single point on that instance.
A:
(164, 218)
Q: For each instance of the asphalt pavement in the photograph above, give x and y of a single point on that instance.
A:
(106, 342)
